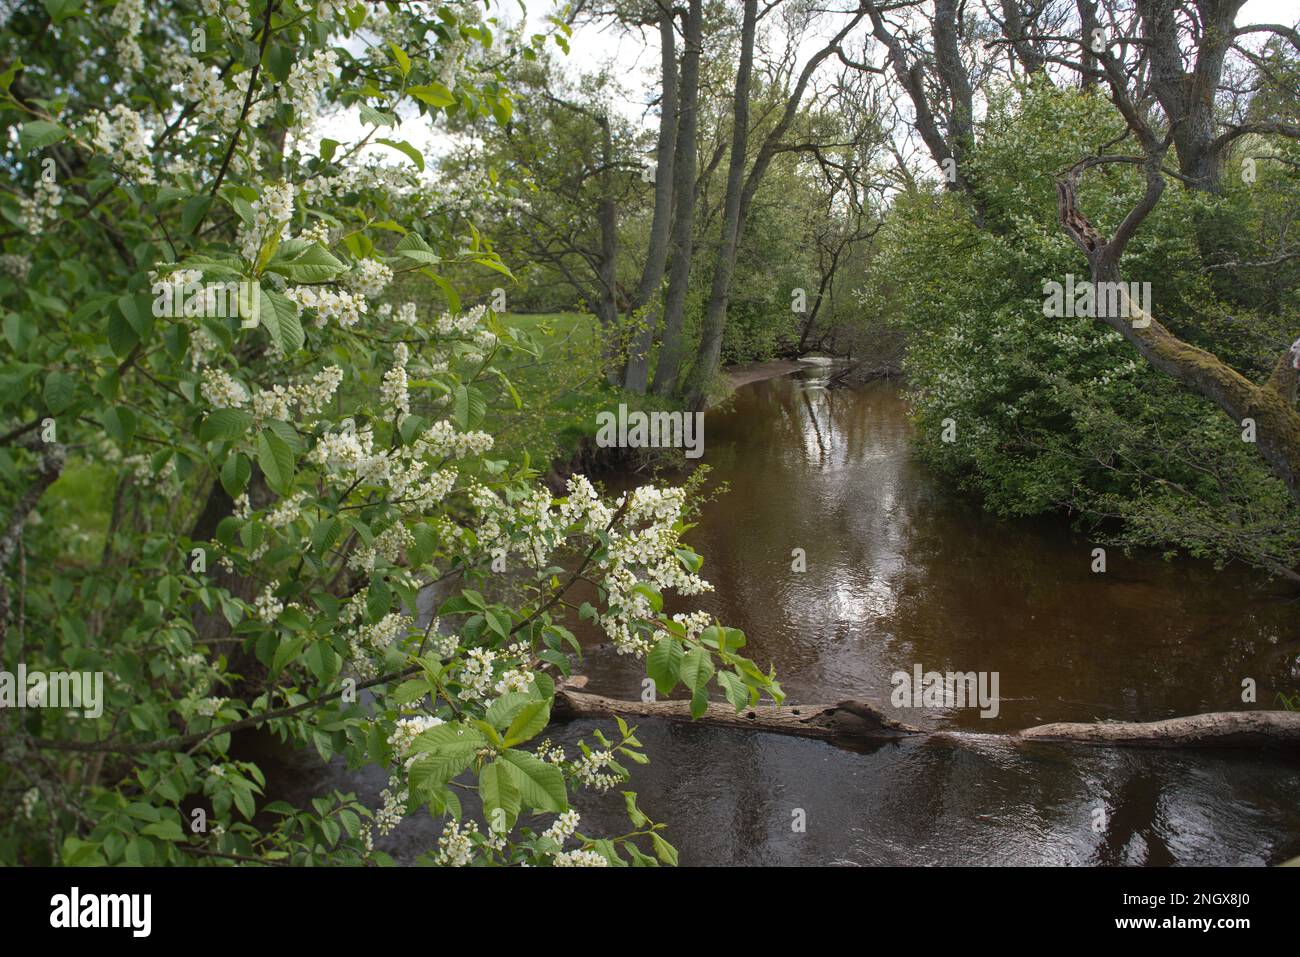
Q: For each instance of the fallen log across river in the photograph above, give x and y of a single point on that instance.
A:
(851, 721)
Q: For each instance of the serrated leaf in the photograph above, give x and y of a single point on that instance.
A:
(222, 425)
(59, 392)
(663, 850)
(528, 723)
(500, 795)
(39, 134)
(540, 783)
(696, 669)
(435, 94)
(120, 422)
(280, 316)
(663, 664)
(276, 461)
(315, 263)
(235, 473)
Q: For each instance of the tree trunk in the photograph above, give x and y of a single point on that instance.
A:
(706, 363)
(607, 274)
(679, 274)
(1188, 99)
(852, 721)
(638, 360)
(1272, 406)
(715, 315)
(1088, 23)
(1017, 32)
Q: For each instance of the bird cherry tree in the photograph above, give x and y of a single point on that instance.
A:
(242, 335)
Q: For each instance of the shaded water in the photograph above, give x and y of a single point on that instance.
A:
(899, 572)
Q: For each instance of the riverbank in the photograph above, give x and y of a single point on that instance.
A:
(748, 372)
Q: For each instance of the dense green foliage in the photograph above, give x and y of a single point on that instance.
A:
(1055, 412)
(229, 510)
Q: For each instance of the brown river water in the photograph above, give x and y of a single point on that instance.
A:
(902, 571)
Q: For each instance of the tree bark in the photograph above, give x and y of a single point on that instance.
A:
(1271, 405)
(826, 722)
(607, 273)
(851, 721)
(679, 273)
(706, 363)
(949, 150)
(1188, 98)
(638, 360)
(715, 315)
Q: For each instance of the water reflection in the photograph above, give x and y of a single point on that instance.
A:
(900, 571)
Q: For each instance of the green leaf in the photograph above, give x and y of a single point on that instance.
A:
(663, 664)
(7, 77)
(500, 796)
(193, 212)
(528, 722)
(39, 134)
(444, 751)
(633, 812)
(235, 473)
(664, 851)
(376, 117)
(409, 691)
(496, 265)
(276, 461)
(448, 290)
(435, 94)
(736, 690)
(60, 10)
(699, 702)
(60, 390)
(696, 669)
(315, 263)
(503, 710)
(224, 424)
(280, 316)
(321, 660)
(502, 109)
(404, 147)
(426, 543)
(413, 246)
(20, 330)
(138, 311)
(120, 422)
(278, 60)
(121, 337)
(168, 830)
(540, 783)
(244, 801)
(378, 599)
(403, 61)
(651, 593)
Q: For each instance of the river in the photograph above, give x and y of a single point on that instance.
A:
(902, 571)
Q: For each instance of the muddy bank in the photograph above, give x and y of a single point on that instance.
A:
(748, 372)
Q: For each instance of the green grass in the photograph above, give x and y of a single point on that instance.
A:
(562, 389)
